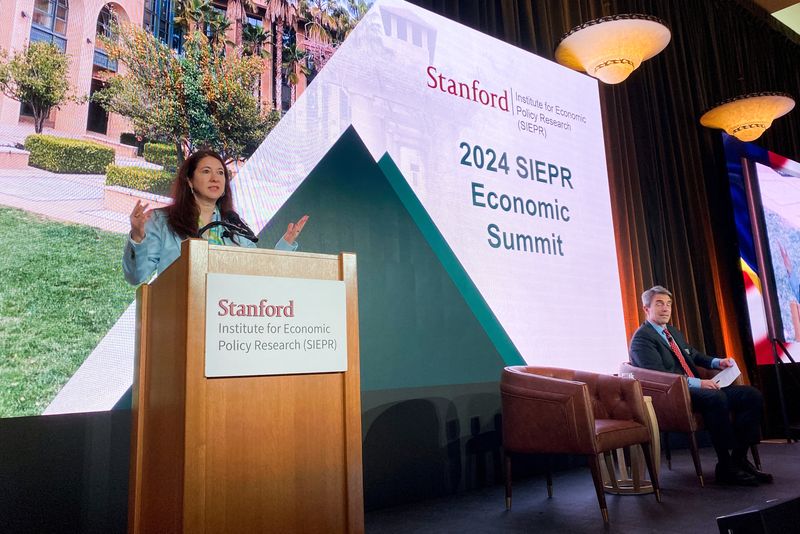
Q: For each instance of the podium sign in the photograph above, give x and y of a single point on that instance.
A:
(260, 325)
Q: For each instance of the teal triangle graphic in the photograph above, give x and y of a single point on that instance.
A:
(450, 262)
(421, 320)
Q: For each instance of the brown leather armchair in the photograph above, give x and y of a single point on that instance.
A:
(548, 410)
(673, 407)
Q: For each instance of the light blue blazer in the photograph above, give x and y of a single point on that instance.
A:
(161, 246)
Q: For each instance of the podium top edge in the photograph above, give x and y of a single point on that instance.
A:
(317, 255)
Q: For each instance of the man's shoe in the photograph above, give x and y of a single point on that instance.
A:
(732, 475)
(745, 465)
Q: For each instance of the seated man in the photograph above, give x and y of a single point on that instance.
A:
(661, 347)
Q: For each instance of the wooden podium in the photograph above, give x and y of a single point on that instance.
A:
(242, 454)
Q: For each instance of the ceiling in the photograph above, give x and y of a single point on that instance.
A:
(786, 11)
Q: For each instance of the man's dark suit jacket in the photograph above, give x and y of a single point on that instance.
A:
(651, 351)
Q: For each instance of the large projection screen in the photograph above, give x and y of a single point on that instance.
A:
(497, 158)
(504, 152)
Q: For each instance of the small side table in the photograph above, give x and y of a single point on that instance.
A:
(625, 474)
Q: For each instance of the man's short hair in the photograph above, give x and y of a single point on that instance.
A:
(648, 295)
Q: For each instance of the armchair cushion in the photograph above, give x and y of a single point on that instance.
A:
(615, 434)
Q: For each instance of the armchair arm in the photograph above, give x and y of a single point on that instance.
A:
(670, 394)
(545, 414)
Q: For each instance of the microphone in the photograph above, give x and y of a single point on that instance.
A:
(230, 230)
(233, 218)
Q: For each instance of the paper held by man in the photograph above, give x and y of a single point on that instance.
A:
(727, 376)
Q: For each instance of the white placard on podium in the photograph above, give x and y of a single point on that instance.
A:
(261, 325)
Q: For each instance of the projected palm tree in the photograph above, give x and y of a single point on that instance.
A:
(294, 65)
(294, 32)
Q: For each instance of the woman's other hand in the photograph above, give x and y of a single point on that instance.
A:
(294, 229)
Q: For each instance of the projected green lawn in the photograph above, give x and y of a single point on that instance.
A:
(61, 291)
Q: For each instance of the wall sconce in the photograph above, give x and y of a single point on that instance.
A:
(611, 48)
(747, 117)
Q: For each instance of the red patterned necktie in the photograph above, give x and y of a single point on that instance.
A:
(678, 354)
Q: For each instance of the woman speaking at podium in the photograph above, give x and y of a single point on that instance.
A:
(201, 207)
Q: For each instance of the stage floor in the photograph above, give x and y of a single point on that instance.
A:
(686, 507)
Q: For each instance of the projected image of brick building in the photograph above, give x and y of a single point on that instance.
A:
(294, 37)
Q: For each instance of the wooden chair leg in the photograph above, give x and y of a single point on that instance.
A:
(549, 475)
(667, 450)
(651, 468)
(696, 458)
(508, 480)
(594, 465)
(756, 456)
(612, 472)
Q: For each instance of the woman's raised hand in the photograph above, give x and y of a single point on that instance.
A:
(294, 229)
(139, 216)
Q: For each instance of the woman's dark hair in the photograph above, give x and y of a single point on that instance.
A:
(183, 213)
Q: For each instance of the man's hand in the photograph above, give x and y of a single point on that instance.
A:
(725, 363)
(708, 384)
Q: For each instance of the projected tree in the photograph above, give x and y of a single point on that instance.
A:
(36, 76)
(203, 99)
